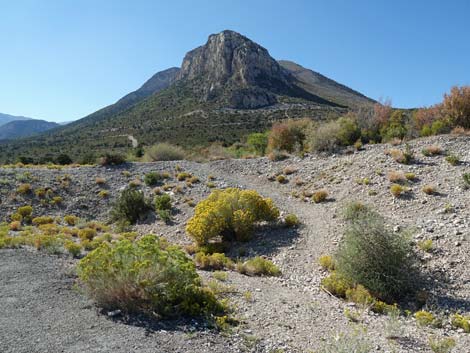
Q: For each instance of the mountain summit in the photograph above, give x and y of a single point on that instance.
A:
(224, 89)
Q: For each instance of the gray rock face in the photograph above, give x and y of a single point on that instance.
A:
(232, 62)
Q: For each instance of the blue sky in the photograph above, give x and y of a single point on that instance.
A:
(63, 59)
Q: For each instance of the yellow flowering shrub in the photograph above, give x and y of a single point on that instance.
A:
(230, 213)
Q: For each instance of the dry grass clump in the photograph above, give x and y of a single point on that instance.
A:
(24, 189)
(289, 170)
(100, 181)
(432, 150)
(397, 190)
(281, 179)
(403, 157)
(291, 220)
(453, 159)
(258, 266)
(164, 152)
(410, 176)
(429, 189)
(327, 262)
(320, 196)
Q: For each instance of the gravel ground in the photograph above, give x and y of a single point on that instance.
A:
(289, 313)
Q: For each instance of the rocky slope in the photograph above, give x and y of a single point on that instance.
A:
(285, 314)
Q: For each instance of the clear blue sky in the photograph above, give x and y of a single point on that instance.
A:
(63, 59)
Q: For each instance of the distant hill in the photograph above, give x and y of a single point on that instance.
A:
(6, 118)
(224, 89)
(22, 128)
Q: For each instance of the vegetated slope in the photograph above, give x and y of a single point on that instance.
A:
(225, 89)
(306, 313)
(322, 86)
(21, 128)
(6, 118)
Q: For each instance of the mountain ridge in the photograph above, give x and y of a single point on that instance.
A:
(226, 88)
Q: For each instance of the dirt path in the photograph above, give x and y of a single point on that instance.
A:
(41, 312)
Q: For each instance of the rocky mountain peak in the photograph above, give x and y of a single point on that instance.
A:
(230, 59)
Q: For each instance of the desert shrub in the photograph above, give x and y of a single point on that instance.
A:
(397, 190)
(444, 345)
(403, 157)
(165, 215)
(147, 276)
(112, 159)
(360, 295)
(429, 189)
(456, 106)
(153, 178)
(163, 202)
(130, 205)
(42, 220)
(258, 142)
(40, 192)
(453, 159)
(410, 176)
(73, 248)
(372, 255)
(281, 179)
(230, 213)
(426, 245)
(25, 211)
(16, 217)
(164, 152)
(425, 318)
(50, 243)
(215, 261)
(87, 233)
(103, 194)
(15, 226)
(63, 159)
(291, 220)
(466, 179)
(432, 150)
(395, 127)
(327, 262)
(325, 138)
(24, 189)
(56, 200)
(336, 284)
(289, 135)
(320, 196)
(351, 342)
(100, 180)
(460, 321)
(258, 266)
(183, 176)
(396, 177)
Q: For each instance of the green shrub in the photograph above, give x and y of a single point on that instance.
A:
(63, 159)
(453, 159)
(444, 345)
(460, 321)
(372, 255)
(327, 262)
(25, 211)
(147, 276)
(258, 142)
(164, 152)
(153, 178)
(466, 179)
(258, 266)
(112, 159)
(73, 248)
(426, 245)
(291, 220)
(425, 318)
(24, 189)
(230, 213)
(165, 215)
(130, 206)
(289, 135)
(215, 261)
(336, 284)
(42, 220)
(163, 202)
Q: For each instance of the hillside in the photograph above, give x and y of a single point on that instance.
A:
(224, 90)
(6, 118)
(288, 313)
(22, 128)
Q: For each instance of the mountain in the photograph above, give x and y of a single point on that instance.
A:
(322, 86)
(22, 128)
(6, 118)
(224, 89)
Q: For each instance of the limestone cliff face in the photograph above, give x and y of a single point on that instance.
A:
(230, 65)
